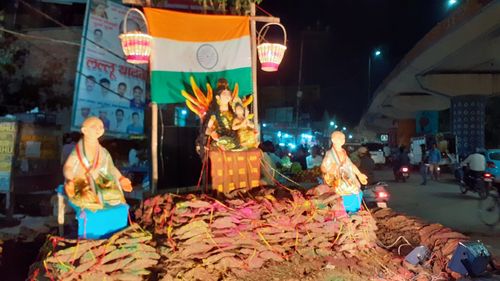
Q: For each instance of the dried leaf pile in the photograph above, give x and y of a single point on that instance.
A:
(205, 239)
(266, 234)
(124, 256)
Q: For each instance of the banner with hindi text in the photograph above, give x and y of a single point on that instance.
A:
(106, 85)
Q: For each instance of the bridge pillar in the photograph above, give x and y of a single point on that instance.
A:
(467, 122)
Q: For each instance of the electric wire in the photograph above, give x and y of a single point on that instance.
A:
(45, 15)
(36, 37)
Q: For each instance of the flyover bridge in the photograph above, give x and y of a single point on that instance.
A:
(455, 66)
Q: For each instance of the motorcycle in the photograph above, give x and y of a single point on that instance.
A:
(402, 174)
(482, 183)
(376, 195)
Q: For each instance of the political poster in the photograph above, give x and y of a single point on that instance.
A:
(8, 133)
(106, 85)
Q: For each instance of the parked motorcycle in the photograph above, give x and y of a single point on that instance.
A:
(480, 183)
(402, 174)
(376, 195)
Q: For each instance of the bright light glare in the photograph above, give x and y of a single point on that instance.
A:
(281, 144)
(350, 136)
(344, 128)
(382, 194)
(452, 2)
(378, 53)
(332, 123)
(184, 112)
(292, 146)
(279, 134)
(264, 125)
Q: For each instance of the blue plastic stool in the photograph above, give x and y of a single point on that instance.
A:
(101, 223)
(352, 202)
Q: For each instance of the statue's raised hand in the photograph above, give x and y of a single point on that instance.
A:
(126, 184)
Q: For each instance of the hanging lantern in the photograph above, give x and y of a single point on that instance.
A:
(136, 45)
(270, 54)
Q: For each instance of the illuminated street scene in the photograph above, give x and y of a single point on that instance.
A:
(249, 140)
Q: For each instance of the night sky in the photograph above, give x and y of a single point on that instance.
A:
(344, 33)
(339, 37)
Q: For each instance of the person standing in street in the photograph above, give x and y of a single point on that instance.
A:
(315, 159)
(434, 159)
(423, 164)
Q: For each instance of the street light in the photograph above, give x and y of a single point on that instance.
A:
(452, 3)
(377, 53)
(332, 123)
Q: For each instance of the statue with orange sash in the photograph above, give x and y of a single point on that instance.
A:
(342, 175)
(92, 180)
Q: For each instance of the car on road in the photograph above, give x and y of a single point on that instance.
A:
(492, 157)
(376, 152)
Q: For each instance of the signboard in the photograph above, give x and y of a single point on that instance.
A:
(427, 122)
(106, 85)
(8, 132)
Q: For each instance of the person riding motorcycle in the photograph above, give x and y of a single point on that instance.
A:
(475, 164)
(366, 164)
(402, 159)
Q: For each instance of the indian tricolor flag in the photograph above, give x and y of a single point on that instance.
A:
(207, 47)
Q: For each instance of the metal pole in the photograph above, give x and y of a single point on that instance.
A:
(154, 147)
(14, 17)
(299, 90)
(253, 33)
(369, 77)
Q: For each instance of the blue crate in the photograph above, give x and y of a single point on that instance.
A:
(101, 223)
(352, 203)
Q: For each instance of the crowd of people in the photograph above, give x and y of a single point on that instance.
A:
(283, 160)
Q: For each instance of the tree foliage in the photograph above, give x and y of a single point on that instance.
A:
(234, 7)
(23, 89)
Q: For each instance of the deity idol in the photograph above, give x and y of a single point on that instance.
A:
(220, 121)
(92, 180)
(244, 126)
(223, 124)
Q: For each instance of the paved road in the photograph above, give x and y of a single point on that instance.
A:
(441, 202)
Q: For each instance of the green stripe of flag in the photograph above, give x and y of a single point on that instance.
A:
(166, 86)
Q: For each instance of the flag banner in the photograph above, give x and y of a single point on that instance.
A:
(106, 85)
(207, 47)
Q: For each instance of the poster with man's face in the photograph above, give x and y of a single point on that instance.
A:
(106, 85)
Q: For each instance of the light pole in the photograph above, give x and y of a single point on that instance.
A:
(375, 54)
(299, 90)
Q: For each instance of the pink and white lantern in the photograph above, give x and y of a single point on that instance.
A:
(270, 54)
(136, 45)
